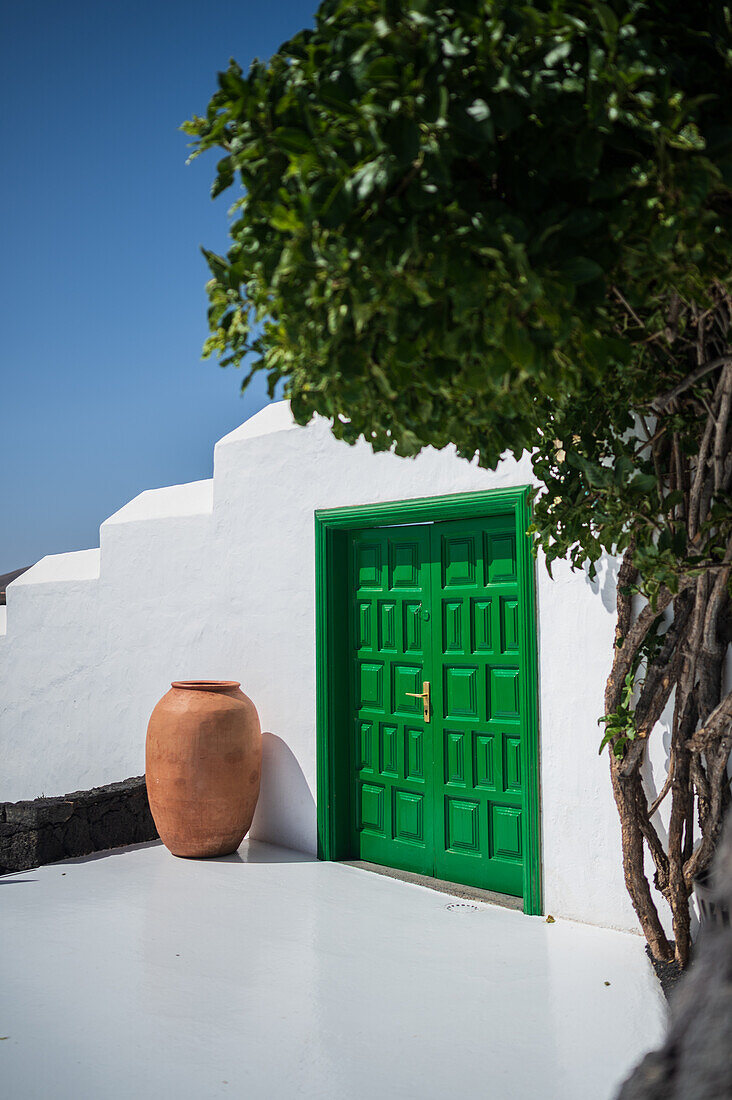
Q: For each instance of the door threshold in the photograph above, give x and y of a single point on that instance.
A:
(455, 889)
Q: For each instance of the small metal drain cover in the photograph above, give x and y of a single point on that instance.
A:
(461, 906)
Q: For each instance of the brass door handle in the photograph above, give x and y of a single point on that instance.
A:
(424, 695)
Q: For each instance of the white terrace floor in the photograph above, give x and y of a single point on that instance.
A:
(137, 975)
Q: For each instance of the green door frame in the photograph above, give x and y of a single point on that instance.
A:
(332, 526)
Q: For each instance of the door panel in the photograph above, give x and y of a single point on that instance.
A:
(392, 763)
(477, 729)
(438, 603)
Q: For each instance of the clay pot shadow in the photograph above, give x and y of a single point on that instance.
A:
(285, 813)
(260, 851)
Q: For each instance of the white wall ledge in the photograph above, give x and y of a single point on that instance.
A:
(170, 502)
(273, 418)
(79, 565)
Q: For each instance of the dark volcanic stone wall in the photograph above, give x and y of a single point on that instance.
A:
(48, 829)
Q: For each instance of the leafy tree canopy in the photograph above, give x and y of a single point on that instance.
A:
(452, 211)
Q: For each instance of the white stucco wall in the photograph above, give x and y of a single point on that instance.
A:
(216, 580)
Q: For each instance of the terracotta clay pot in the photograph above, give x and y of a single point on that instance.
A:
(203, 762)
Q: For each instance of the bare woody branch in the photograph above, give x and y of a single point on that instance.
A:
(632, 642)
(661, 403)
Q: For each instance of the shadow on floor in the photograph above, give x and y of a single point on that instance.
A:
(258, 851)
(251, 851)
(107, 852)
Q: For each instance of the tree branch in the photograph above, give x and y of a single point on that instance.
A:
(720, 431)
(665, 399)
(717, 779)
(663, 792)
(706, 734)
(633, 640)
(656, 691)
(698, 481)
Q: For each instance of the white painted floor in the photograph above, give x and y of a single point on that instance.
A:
(267, 974)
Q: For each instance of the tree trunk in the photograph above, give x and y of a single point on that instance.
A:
(689, 659)
(629, 808)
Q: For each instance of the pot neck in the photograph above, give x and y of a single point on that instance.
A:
(218, 686)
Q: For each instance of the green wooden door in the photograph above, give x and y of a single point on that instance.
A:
(442, 793)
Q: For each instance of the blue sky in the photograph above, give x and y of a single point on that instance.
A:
(103, 392)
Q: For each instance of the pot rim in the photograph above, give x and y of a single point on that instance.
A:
(206, 685)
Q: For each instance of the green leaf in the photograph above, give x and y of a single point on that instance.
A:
(402, 135)
(479, 110)
(334, 97)
(689, 137)
(382, 70)
(293, 141)
(580, 270)
(558, 53)
(285, 220)
(643, 483)
(607, 17)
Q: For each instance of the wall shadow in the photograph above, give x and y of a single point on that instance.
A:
(285, 813)
(605, 582)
